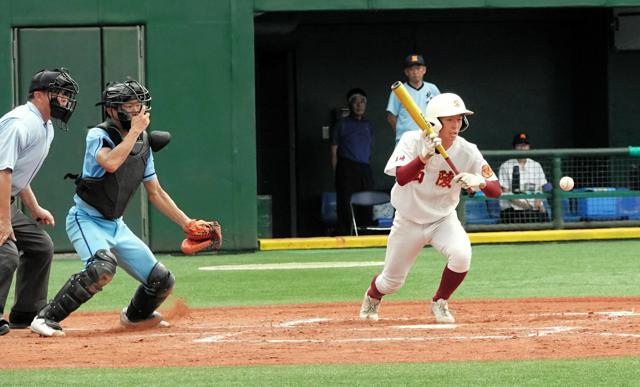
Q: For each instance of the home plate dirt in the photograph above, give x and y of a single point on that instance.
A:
(331, 333)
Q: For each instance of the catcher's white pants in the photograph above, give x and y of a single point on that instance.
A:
(407, 239)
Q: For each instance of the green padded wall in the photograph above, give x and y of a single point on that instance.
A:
(77, 49)
(122, 59)
(200, 68)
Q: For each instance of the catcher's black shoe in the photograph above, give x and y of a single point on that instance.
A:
(4, 327)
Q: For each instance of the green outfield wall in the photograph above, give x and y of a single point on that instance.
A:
(199, 61)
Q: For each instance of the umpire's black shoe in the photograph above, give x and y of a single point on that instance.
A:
(4, 327)
(21, 320)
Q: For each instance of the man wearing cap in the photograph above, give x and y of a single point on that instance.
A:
(421, 92)
(351, 145)
(26, 133)
(522, 176)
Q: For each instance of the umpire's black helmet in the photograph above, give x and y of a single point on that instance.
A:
(58, 82)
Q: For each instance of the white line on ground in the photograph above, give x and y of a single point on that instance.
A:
(292, 266)
(426, 326)
(539, 332)
(382, 339)
(302, 322)
(553, 328)
(619, 334)
(622, 313)
(216, 338)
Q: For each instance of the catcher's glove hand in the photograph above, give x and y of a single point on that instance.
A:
(201, 235)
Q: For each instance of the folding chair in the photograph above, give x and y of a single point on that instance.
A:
(368, 198)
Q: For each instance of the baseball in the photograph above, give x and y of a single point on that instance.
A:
(566, 183)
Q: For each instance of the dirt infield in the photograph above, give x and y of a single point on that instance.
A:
(331, 333)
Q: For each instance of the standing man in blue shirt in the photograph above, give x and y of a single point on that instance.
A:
(421, 92)
(26, 133)
(351, 146)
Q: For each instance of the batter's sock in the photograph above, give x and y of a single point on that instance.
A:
(373, 291)
(448, 283)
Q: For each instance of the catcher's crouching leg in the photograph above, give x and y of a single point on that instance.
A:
(75, 292)
(149, 297)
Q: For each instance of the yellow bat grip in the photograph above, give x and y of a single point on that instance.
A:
(414, 111)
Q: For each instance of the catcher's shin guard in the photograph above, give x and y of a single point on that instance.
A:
(81, 286)
(149, 297)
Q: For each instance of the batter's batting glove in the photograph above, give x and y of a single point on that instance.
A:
(470, 180)
(429, 144)
(201, 235)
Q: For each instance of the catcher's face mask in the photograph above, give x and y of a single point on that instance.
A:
(126, 111)
(128, 99)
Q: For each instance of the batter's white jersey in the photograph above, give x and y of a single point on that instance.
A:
(433, 195)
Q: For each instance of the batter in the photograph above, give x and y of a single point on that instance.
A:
(425, 197)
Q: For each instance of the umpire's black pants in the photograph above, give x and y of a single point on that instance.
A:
(351, 177)
(30, 258)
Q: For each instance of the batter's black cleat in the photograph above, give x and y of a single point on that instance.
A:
(4, 327)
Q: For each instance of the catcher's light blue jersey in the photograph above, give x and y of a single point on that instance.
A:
(89, 231)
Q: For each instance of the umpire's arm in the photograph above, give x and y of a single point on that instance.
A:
(6, 231)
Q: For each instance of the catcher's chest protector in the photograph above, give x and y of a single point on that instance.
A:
(111, 193)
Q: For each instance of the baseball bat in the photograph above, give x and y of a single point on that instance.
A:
(414, 111)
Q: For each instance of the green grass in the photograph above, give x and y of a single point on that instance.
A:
(588, 372)
(497, 271)
(604, 268)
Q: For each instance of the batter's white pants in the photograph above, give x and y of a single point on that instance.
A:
(407, 239)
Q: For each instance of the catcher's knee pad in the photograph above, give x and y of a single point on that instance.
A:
(459, 259)
(81, 286)
(149, 297)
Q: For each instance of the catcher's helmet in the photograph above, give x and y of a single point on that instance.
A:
(445, 105)
(60, 84)
(116, 94)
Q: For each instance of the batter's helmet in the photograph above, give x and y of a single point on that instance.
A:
(446, 105)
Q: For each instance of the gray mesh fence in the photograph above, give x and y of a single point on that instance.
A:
(606, 190)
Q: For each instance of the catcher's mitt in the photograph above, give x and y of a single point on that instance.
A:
(201, 235)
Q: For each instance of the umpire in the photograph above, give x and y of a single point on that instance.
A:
(26, 133)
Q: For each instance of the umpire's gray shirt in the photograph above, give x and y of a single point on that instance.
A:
(25, 139)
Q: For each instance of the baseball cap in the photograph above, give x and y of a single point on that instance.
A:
(520, 138)
(414, 60)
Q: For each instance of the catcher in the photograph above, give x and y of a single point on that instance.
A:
(118, 157)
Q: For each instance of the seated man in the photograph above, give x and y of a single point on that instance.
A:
(522, 175)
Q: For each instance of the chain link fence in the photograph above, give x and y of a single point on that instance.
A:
(606, 190)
